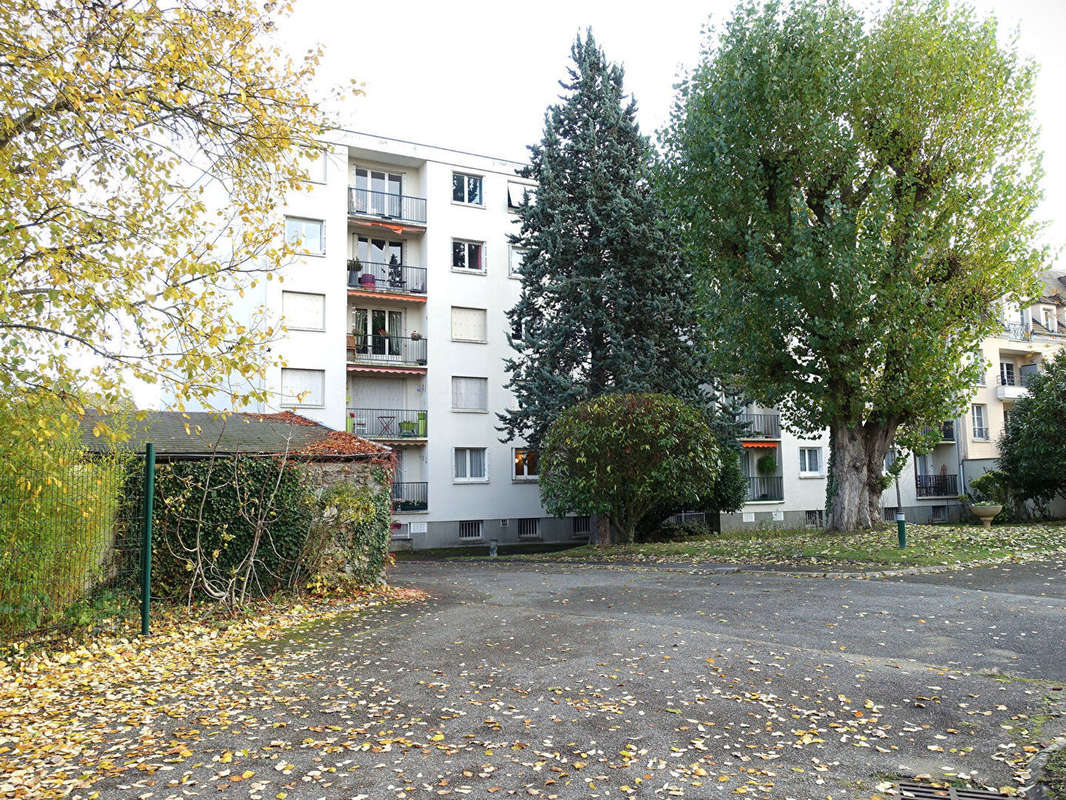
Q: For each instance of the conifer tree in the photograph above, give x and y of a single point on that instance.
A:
(604, 305)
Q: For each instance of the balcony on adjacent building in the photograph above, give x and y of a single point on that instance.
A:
(766, 488)
(1018, 331)
(397, 425)
(937, 485)
(1012, 387)
(760, 426)
(388, 206)
(946, 431)
(394, 279)
(380, 352)
(410, 496)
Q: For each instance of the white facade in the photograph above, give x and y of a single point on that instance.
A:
(431, 384)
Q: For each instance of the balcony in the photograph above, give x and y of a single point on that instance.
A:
(383, 352)
(946, 431)
(1021, 332)
(766, 488)
(761, 426)
(408, 496)
(395, 279)
(401, 208)
(393, 424)
(937, 485)
(1011, 387)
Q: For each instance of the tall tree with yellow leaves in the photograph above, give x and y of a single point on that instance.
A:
(144, 149)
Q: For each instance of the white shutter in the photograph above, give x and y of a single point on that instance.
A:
(304, 310)
(470, 393)
(303, 387)
(468, 324)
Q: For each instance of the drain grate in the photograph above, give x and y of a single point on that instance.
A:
(923, 791)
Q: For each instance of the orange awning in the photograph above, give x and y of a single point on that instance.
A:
(387, 370)
(759, 444)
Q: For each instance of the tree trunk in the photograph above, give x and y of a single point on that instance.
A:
(602, 531)
(849, 509)
(877, 436)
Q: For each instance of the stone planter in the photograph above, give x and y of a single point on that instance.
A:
(985, 513)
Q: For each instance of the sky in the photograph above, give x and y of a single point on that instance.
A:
(478, 76)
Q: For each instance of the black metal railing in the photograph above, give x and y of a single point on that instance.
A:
(369, 203)
(385, 349)
(937, 485)
(946, 431)
(1015, 379)
(767, 426)
(766, 488)
(371, 276)
(388, 423)
(1018, 330)
(410, 496)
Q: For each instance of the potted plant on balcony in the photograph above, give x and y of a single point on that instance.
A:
(415, 336)
(766, 465)
(408, 427)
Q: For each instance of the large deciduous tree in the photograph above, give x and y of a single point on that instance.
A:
(620, 455)
(603, 300)
(1032, 450)
(857, 196)
(144, 149)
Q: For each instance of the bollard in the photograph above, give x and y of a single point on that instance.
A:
(492, 548)
(901, 529)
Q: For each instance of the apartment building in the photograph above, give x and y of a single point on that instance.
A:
(396, 331)
(787, 475)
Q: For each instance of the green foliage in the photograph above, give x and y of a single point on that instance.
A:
(766, 465)
(620, 455)
(348, 545)
(855, 194)
(991, 487)
(603, 305)
(1033, 445)
(228, 526)
(671, 532)
(58, 514)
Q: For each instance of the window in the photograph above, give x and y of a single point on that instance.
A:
(306, 235)
(515, 261)
(471, 529)
(378, 193)
(529, 528)
(526, 464)
(470, 464)
(1049, 319)
(816, 518)
(980, 422)
(810, 461)
(468, 255)
(470, 394)
(401, 531)
(303, 387)
(467, 189)
(468, 324)
(516, 192)
(304, 311)
(1006, 373)
(940, 513)
(889, 513)
(581, 527)
(316, 169)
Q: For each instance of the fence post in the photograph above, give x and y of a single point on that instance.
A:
(146, 543)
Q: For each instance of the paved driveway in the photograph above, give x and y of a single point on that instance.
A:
(543, 681)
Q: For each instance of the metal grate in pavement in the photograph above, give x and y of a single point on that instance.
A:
(923, 791)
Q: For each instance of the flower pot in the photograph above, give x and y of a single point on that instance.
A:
(985, 513)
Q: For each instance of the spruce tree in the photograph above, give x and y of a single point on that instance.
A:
(605, 300)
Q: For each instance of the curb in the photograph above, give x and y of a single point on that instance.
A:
(1036, 767)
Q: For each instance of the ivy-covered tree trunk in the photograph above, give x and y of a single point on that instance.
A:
(849, 508)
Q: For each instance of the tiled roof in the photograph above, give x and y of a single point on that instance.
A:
(178, 433)
(1054, 287)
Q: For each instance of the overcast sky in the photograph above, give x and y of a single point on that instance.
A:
(477, 76)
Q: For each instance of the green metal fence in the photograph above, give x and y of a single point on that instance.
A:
(71, 531)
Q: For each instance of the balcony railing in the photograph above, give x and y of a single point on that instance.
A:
(410, 496)
(402, 207)
(937, 485)
(370, 276)
(766, 488)
(946, 431)
(388, 423)
(1017, 330)
(385, 349)
(766, 426)
(980, 432)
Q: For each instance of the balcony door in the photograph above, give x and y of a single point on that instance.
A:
(379, 332)
(378, 192)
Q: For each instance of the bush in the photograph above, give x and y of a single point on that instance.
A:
(619, 455)
(58, 509)
(229, 527)
(348, 544)
(673, 532)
